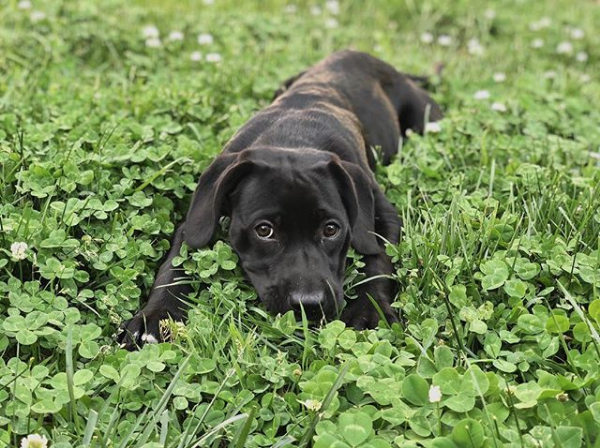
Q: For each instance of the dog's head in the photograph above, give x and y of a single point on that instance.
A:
(293, 216)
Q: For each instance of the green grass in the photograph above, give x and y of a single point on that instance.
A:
(102, 139)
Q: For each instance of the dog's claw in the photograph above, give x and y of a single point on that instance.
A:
(143, 328)
(149, 338)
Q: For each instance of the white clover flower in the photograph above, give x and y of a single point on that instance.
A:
(24, 4)
(291, 9)
(585, 78)
(312, 405)
(426, 37)
(34, 441)
(18, 250)
(550, 74)
(489, 14)
(205, 39)
(213, 57)
(176, 36)
(581, 56)
(331, 23)
(481, 95)
(499, 77)
(153, 42)
(333, 6)
(537, 43)
(499, 107)
(150, 31)
(435, 394)
(577, 33)
(564, 48)
(475, 47)
(544, 22)
(432, 127)
(37, 16)
(196, 56)
(477, 50)
(316, 11)
(444, 40)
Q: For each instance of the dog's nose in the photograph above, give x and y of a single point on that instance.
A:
(312, 303)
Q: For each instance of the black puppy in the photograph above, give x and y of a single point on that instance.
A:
(296, 181)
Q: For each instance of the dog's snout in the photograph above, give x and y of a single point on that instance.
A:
(312, 302)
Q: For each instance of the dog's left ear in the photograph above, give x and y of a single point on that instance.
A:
(356, 189)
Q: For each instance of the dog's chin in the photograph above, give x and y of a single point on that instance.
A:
(315, 319)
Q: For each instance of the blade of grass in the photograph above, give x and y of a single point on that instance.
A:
(89, 428)
(162, 404)
(164, 427)
(583, 317)
(70, 386)
(244, 432)
(205, 438)
(286, 440)
(133, 429)
(308, 434)
(160, 173)
(187, 434)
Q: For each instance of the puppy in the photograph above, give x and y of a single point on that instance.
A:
(297, 184)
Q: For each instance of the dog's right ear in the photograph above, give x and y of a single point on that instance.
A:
(356, 191)
(207, 204)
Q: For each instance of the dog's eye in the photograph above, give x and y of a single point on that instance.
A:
(331, 230)
(264, 230)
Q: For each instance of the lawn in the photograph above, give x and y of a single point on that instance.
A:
(110, 110)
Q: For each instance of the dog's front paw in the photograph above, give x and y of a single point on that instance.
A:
(361, 314)
(144, 328)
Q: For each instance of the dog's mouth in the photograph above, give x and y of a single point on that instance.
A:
(316, 317)
(317, 308)
(314, 322)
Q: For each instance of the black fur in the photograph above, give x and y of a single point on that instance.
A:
(303, 166)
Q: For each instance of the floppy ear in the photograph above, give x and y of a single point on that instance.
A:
(357, 194)
(207, 204)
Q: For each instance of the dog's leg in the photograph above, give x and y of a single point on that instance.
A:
(165, 302)
(414, 105)
(360, 312)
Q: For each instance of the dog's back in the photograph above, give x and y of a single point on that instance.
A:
(348, 100)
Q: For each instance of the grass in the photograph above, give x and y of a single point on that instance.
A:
(102, 139)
